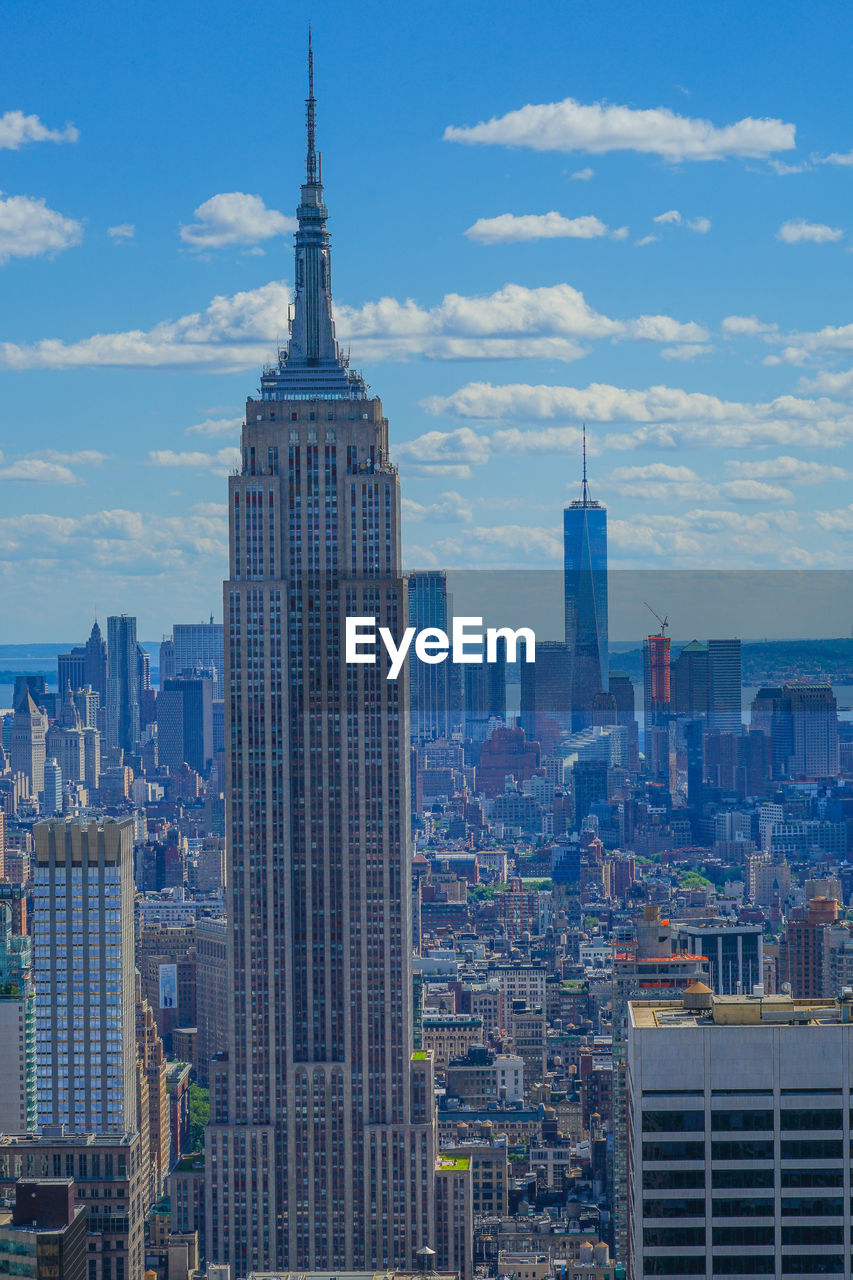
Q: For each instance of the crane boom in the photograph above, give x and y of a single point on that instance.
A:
(664, 622)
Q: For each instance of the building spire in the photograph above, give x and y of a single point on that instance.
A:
(310, 120)
(585, 485)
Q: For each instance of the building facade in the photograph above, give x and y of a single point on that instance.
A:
(84, 975)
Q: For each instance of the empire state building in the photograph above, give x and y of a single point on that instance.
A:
(320, 1152)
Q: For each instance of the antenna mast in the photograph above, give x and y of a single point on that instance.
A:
(310, 108)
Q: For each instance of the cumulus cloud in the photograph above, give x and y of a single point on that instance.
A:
(582, 175)
(115, 538)
(239, 332)
(844, 158)
(123, 231)
(794, 470)
(675, 218)
(451, 508)
(215, 427)
(232, 217)
(508, 227)
(16, 130)
(660, 482)
(839, 520)
(36, 469)
(28, 228)
(668, 418)
(746, 326)
(799, 231)
(601, 127)
(647, 240)
(221, 463)
(690, 351)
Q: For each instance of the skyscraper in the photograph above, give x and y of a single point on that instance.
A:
(196, 645)
(29, 729)
(320, 1147)
(96, 663)
(122, 683)
(428, 681)
(546, 711)
(84, 975)
(724, 677)
(585, 582)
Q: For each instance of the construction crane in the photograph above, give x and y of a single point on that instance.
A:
(664, 622)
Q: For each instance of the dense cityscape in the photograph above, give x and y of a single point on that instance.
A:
(528, 969)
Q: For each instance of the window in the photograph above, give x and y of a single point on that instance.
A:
(673, 1121)
(734, 1178)
(744, 1121)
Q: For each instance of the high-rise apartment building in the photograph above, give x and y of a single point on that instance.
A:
(320, 1153)
(738, 1136)
(122, 717)
(585, 584)
(84, 975)
(429, 697)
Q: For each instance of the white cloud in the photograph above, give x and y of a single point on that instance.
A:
(746, 326)
(660, 482)
(782, 169)
(28, 229)
(647, 240)
(123, 231)
(582, 175)
(798, 231)
(216, 427)
(844, 158)
(221, 463)
(116, 539)
(794, 470)
(16, 130)
(239, 332)
(233, 217)
(673, 217)
(451, 508)
(690, 351)
(668, 417)
(37, 469)
(838, 521)
(508, 227)
(571, 126)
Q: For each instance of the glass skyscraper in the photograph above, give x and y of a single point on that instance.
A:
(585, 577)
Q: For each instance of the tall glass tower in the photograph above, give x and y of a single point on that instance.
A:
(585, 578)
(320, 1151)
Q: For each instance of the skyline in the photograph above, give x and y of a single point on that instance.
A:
(118, 507)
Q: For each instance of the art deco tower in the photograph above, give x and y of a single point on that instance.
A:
(585, 568)
(320, 1151)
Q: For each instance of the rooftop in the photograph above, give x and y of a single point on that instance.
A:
(736, 1011)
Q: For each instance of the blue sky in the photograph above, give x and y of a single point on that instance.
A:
(651, 230)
